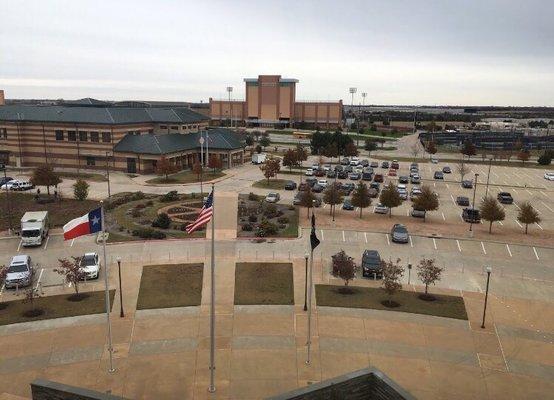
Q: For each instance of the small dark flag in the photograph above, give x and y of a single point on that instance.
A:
(314, 241)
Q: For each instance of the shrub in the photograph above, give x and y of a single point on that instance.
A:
(149, 203)
(283, 220)
(162, 221)
(135, 213)
(270, 210)
(282, 226)
(147, 233)
(170, 196)
(253, 218)
(291, 208)
(252, 197)
(136, 196)
(140, 206)
(266, 228)
(80, 190)
(247, 227)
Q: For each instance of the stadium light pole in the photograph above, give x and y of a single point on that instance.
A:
(488, 176)
(473, 205)
(352, 91)
(488, 270)
(230, 90)
(121, 313)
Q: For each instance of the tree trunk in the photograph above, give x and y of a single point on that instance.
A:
(390, 212)
(490, 227)
(361, 212)
(48, 189)
(426, 287)
(331, 209)
(526, 226)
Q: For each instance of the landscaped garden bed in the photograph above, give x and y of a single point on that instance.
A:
(373, 298)
(170, 285)
(186, 176)
(139, 216)
(257, 218)
(275, 184)
(49, 307)
(264, 283)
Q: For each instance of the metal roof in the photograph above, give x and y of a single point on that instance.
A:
(220, 139)
(98, 115)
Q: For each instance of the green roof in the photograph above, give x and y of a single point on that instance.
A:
(220, 139)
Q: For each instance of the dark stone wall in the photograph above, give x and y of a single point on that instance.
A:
(47, 390)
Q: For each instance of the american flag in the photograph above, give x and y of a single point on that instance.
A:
(205, 214)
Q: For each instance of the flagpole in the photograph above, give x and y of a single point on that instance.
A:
(309, 343)
(211, 388)
(107, 292)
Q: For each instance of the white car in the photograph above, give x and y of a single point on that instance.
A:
(327, 167)
(272, 197)
(11, 184)
(309, 172)
(22, 185)
(354, 161)
(435, 160)
(322, 182)
(90, 265)
(358, 169)
(401, 186)
(549, 176)
(381, 209)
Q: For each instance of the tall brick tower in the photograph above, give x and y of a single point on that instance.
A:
(2, 102)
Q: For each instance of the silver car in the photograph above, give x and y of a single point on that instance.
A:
(273, 197)
(399, 234)
(20, 272)
(381, 209)
(90, 265)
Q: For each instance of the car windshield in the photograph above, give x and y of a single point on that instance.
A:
(22, 267)
(30, 233)
(88, 261)
(400, 229)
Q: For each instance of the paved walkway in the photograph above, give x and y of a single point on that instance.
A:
(163, 354)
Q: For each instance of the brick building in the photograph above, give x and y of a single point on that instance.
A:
(271, 101)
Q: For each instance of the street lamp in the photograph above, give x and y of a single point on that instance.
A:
(230, 90)
(108, 172)
(306, 256)
(409, 272)
(121, 314)
(473, 206)
(488, 176)
(488, 270)
(352, 91)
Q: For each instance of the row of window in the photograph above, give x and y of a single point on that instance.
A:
(84, 136)
(137, 133)
(3, 133)
(176, 127)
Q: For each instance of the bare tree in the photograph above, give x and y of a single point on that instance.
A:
(164, 167)
(344, 268)
(31, 294)
(392, 273)
(528, 215)
(3, 273)
(44, 175)
(428, 273)
(414, 150)
(332, 196)
(307, 199)
(463, 169)
(71, 271)
(197, 169)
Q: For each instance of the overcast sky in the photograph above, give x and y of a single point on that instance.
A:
(451, 52)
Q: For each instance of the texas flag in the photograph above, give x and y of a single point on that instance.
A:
(85, 225)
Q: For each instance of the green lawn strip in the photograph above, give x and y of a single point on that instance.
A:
(170, 285)
(275, 184)
(57, 306)
(292, 227)
(83, 175)
(186, 177)
(264, 283)
(60, 212)
(365, 297)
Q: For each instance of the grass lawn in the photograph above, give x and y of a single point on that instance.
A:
(276, 184)
(264, 283)
(364, 297)
(186, 177)
(60, 212)
(83, 175)
(170, 285)
(55, 307)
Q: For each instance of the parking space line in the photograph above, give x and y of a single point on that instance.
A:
(517, 222)
(443, 217)
(544, 193)
(407, 213)
(46, 243)
(515, 191)
(483, 247)
(453, 201)
(411, 242)
(19, 246)
(39, 278)
(544, 204)
(321, 234)
(365, 236)
(435, 243)
(343, 238)
(461, 218)
(539, 225)
(508, 248)
(529, 192)
(448, 187)
(72, 240)
(500, 222)
(518, 207)
(388, 241)
(495, 174)
(536, 254)
(459, 247)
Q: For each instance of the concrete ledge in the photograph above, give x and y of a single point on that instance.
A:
(168, 312)
(42, 389)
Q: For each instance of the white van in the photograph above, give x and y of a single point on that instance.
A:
(34, 228)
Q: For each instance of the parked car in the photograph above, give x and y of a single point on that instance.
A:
(467, 184)
(471, 215)
(385, 164)
(317, 188)
(327, 167)
(347, 205)
(342, 175)
(4, 180)
(414, 193)
(297, 199)
(10, 184)
(434, 160)
(348, 188)
(413, 165)
(395, 165)
(319, 172)
(21, 186)
(309, 172)
(322, 182)
(311, 181)
(462, 201)
(290, 185)
(403, 179)
(505, 198)
(375, 185)
(345, 161)
(549, 176)
(20, 272)
(272, 197)
(381, 209)
(317, 202)
(365, 163)
(303, 187)
(367, 176)
(338, 168)
(378, 178)
(414, 172)
(392, 172)
(355, 176)
(372, 193)
(438, 175)
(418, 213)
(374, 164)
(90, 265)
(446, 169)
(349, 168)
(354, 161)
(416, 180)
(331, 174)
(399, 234)
(371, 264)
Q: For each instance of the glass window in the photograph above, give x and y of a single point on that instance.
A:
(59, 135)
(174, 128)
(83, 136)
(106, 137)
(94, 137)
(163, 126)
(71, 136)
(91, 161)
(3, 133)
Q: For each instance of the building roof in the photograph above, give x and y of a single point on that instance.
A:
(219, 139)
(87, 101)
(281, 80)
(98, 115)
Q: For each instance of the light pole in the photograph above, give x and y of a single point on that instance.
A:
(8, 204)
(121, 313)
(352, 91)
(488, 176)
(230, 90)
(306, 256)
(409, 272)
(108, 172)
(473, 205)
(488, 270)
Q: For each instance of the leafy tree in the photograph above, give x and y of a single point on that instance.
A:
(165, 167)
(351, 150)
(414, 150)
(468, 149)
(390, 197)
(80, 190)
(427, 200)
(332, 196)
(360, 197)
(72, 271)
(331, 151)
(463, 169)
(258, 149)
(257, 135)
(198, 169)
(528, 215)
(215, 162)
(370, 145)
(264, 142)
(431, 148)
(319, 141)
(428, 273)
(249, 140)
(492, 211)
(545, 158)
(290, 159)
(392, 273)
(271, 167)
(307, 200)
(301, 154)
(523, 155)
(44, 175)
(344, 268)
